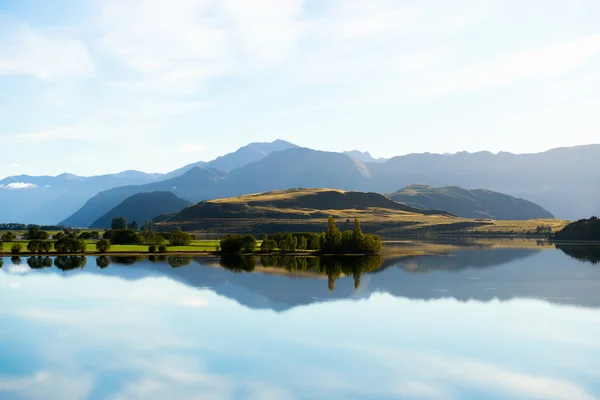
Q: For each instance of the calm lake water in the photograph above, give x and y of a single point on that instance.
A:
(474, 322)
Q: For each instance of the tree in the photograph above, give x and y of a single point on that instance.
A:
(357, 234)
(289, 243)
(103, 245)
(268, 245)
(152, 248)
(162, 248)
(58, 236)
(123, 236)
(133, 226)
(70, 245)
(333, 236)
(148, 226)
(118, 223)
(179, 238)
(102, 261)
(152, 238)
(35, 233)
(249, 244)
(16, 248)
(9, 237)
(232, 244)
(39, 246)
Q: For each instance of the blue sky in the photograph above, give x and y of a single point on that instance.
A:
(94, 87)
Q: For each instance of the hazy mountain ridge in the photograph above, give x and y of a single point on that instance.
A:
(476, 203)
(563, 181)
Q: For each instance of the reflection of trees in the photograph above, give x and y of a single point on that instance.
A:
(102, 261)
(581, 252)
(1, 262)
(179, 261)
(331, 266)
(238, 263)
(16, 260)
(126, 260)
(157, 259)
(39, 262)
(66, 263)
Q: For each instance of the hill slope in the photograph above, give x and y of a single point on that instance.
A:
(191, 186)
(478, 203)
(296, 203)
(582, 230)
(142, 207)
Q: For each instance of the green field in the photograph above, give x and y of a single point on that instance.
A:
(196, 246)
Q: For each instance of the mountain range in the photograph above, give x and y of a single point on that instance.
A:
(563, 181)
(477, 203)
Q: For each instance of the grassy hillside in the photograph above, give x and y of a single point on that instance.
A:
(308, 209)
(297, 204)
(142, 207)
(478, 203)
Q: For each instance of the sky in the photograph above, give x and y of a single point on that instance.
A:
(101, 86)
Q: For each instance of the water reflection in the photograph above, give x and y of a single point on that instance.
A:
(283, 282)
(182, 327)
(68, 263)
(581, 252)
(37, 262)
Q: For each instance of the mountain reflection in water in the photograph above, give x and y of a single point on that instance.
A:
(283, 282)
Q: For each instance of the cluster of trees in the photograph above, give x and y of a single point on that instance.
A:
(128, 236)
(333, 241)
(584, 230)
(35, 233)
(8, 237)
(543, 230)
(118, 223)
(70, 245)
(291, 242)
(233, 244)
(348, 242)
(39, 246)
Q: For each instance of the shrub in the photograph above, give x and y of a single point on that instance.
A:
(162, 248)
(152, 248)
(103, 245)
(16, 248)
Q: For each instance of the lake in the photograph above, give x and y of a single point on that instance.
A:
(481, 320)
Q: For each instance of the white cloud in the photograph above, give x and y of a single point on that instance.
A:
(19, 185)
(14, 165)
(27, 51)
(498, 71)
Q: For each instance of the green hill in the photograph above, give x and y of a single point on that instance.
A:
(478, 203)
(142, 207)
